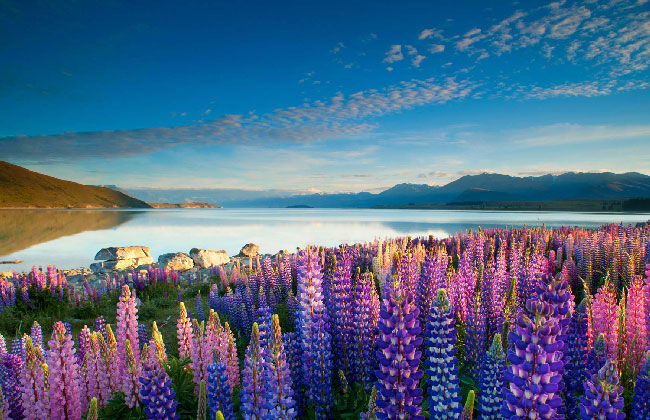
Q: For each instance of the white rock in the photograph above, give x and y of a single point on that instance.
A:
(122, 253)
(120, 265)
(206, 258)
(249, 250)
(179, 261)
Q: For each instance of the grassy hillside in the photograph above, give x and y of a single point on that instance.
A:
(22, 188)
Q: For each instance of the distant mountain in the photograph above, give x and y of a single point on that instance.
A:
(22, 188)
(480, 188)
(220, 196)
(190, 205)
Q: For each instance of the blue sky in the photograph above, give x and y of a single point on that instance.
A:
(322, 96)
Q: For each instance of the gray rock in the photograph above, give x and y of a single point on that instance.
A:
(206, 258)
(179, 261)
(122, 253)
(249, 250)
(120, 265)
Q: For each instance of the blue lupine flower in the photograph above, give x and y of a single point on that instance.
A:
(641, 404)
(219, 398)
(200, 315)
(576, 357)
(441, 363)
(313, 334)
(399, 394)
(157, 395)
(253, 393)
(490, 386)
(533, 390)
(603, 398)
(279, 392)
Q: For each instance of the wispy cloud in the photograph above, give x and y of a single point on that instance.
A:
(565, 133)
(339, 116)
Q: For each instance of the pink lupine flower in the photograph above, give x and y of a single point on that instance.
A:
(63, 376)
(636, 334)
(199, 362)
(232, 366)
(100, 368)
(33, 385)
(605, 318)
(110, 359)
(127, 327)
(185, 334)
(130, 383)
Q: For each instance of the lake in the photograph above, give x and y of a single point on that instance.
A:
(70, 238)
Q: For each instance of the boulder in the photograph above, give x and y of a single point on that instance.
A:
(120, 265)
(178, 261)
(249, 250)
(206, 258)
(122, 253)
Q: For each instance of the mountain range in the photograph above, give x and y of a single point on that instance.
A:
(22, 188)
(486, 187)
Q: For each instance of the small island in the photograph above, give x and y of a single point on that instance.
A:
(190, 205)
(299, 206)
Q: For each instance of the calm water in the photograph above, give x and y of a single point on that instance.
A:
(70, 239)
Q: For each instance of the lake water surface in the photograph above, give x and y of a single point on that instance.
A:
(70, 238)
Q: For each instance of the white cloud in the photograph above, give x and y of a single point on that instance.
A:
(394, 54)
(436, 48)
(417, 60)
(430, 33)
(411, 50)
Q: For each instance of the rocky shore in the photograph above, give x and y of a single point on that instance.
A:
(196, 263)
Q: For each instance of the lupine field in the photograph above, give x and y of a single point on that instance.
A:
(529, 323)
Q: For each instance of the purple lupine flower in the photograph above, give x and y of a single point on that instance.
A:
(641, 404)
(576, 357)
(253, 401)
(476, 333)
(143, 335)
(65, 403)
(100, 326)
(603, 398)
(536, 362)
(365, 315)
(219, 397)
(294, 358)
(440, 360)
(37, 335)
(157, 395)
(200, 315)
(17, 348)
(597, 356)
(557, 293)
(279, 392)
(292, 308)
(11, 367)
(314, 334)
(399, 394)
(341, 305)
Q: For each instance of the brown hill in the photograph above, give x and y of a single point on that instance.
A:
(22, 188)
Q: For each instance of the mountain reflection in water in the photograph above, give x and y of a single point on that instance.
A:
(21, 229)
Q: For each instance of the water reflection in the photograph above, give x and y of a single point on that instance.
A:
(20, 229)
(71, 238)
